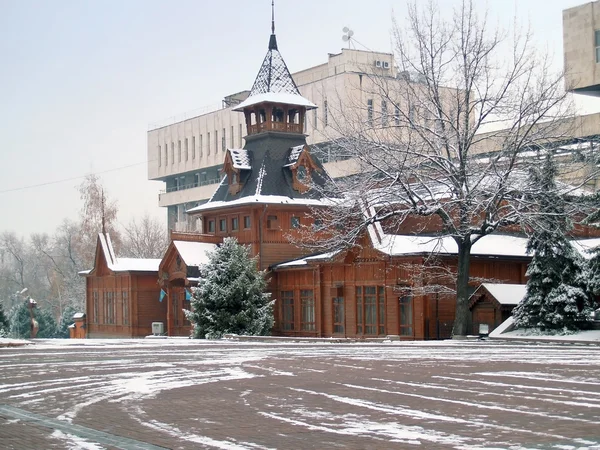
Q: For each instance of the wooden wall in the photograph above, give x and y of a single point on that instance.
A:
(432, 313)
(141, 292)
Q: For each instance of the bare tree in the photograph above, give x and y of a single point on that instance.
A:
(144, 238)
(449, 139)
(62, 266)
(97, 214)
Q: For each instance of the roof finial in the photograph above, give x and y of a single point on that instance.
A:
(272, 16)
(273, 40)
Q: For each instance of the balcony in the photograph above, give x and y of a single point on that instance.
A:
(187, 193)
(276, 126)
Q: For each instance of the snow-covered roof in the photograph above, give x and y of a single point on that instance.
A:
(294, 155)
(259, 199)
(490, 245)
(194, 253)
(505, 294)
(78, 315)
(136, 265)
(276, 97)
(240, 158)
(305, 260)
(123, 264)
(585, 245)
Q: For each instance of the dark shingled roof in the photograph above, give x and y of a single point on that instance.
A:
(270, 173)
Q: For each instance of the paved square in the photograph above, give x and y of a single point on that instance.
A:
(183, 394)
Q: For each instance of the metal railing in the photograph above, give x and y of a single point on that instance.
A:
(189, 186)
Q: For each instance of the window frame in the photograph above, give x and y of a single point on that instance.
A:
(288, 322)
(337, 305)
(235, 224)
(370, 111)
(272, 222)
(370, 317)
(247, 222)
(307, 310)
(125, 307)
(294, 222)
(597, 45)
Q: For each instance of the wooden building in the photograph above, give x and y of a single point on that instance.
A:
(264, 197)
(396, 283)
(492, 304)
(179, 273)
(122, 294)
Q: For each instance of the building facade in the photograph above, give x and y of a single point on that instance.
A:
(581, 42)
(122, 294)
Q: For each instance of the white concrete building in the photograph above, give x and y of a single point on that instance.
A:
(581, 42)
(188, 154)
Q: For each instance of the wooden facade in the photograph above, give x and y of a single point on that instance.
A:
(371, 296)
(492, 304)
(122, 295)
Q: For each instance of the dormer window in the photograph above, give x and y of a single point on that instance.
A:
(301, 174)
(234, 178)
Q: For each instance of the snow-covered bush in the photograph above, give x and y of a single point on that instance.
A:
(230, 297)
(19, 321)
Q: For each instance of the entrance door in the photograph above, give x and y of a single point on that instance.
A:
(338, 315)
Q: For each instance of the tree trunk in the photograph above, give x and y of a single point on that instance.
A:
(461, 319)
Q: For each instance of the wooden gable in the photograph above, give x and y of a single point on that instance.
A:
(302, 169)
(100, 261)
(172, 266)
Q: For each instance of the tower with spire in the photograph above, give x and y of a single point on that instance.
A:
(274, 103)
(266, 186)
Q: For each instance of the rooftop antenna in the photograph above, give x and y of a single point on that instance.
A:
(347, 37)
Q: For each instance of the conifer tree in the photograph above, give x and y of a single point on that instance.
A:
(65, 321)
(20, 322)
(230, 297)
(594, 262)
(556, 295)
(3, 322)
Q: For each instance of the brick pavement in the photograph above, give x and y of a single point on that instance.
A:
(236, 395)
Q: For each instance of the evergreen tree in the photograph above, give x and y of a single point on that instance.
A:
(594, 262)
(20, 322)
(65, 320)
(3, 322)
(556, 295)
(230, 297)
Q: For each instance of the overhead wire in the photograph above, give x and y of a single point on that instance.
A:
(47, 183)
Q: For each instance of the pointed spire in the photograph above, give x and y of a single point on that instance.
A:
(273, 39)
(274, 78)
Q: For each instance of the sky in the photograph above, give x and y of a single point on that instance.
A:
(82, 80)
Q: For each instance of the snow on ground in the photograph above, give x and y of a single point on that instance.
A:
(240, 395)
(586, 336)
(8, 342)
(72, 442)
